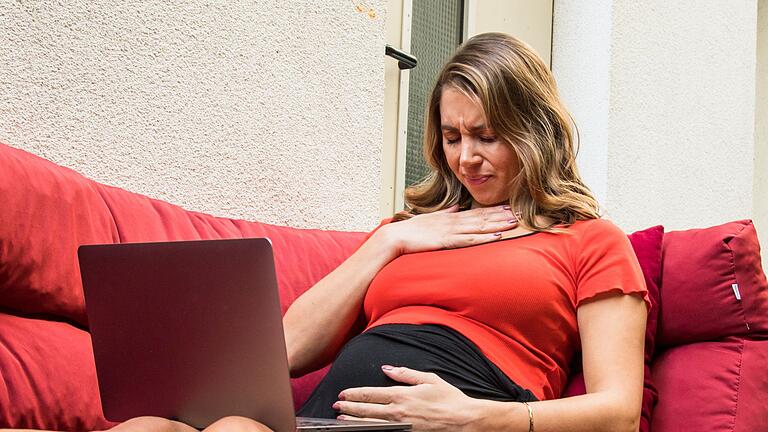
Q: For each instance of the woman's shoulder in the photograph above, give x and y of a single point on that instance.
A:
(598, 224)
(597, 230)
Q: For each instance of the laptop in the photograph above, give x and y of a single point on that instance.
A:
(192, 331)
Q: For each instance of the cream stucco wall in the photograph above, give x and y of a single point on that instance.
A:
(528, 20)
(665, 100)
(264, 110)
(761, 131)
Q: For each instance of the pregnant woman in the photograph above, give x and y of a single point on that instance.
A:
(463, 312)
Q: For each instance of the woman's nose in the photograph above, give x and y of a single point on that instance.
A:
(469, 155)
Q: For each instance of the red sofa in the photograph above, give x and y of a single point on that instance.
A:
(708, 368)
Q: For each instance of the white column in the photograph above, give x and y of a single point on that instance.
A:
(761, 131)
(664, 95)
(581, 53)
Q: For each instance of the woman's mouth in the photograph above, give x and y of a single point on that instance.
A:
(476, 180)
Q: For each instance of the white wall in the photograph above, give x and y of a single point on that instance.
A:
(664, 93)
(528, 20)
(263, 110)
(581, 63)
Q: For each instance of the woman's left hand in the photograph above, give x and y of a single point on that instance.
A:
(429, 403)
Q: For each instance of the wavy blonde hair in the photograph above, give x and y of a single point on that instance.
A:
(520, 100)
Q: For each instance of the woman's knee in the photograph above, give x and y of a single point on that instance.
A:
(237, 424)
(151, 424)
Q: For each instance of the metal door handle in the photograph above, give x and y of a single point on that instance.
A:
(404, 60)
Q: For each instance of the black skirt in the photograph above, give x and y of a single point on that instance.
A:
(426, 348)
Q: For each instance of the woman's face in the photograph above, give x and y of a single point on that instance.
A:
(482, 163)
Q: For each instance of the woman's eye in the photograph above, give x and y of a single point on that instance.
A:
(488, 139)
(451, 140)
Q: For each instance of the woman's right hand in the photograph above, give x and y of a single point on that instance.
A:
(449, 229)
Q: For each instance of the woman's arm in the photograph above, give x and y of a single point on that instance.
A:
(319, 321)
(612, 329)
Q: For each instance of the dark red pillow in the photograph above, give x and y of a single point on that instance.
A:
(647, 245)
(714, 285)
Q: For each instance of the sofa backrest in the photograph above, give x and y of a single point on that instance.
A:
(302, 256)
(47, 212)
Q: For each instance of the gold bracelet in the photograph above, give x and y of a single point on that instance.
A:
(530, 417)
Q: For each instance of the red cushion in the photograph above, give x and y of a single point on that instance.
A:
(697, 295)
(45, 212)
(647, 246)
(717, 385)
(751, 409)
(712, 386)
(48, 376)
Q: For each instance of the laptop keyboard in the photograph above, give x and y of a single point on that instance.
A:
(316, 422)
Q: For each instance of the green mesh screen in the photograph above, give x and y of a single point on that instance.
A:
(435, 34)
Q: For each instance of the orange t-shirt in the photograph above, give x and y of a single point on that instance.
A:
(515, 299)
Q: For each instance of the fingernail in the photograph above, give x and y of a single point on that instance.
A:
(341, 397)
(387, 367)
(513, 221)
(341, 417)
(507, 208)
(497, 234)
(335, 406)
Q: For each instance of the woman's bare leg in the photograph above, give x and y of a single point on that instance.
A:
(152, 424)
(237, 424)
(158, 424)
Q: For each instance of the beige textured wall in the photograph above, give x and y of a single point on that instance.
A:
(528, 20)
(264, 110)
(761, 131)
(666, 91)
